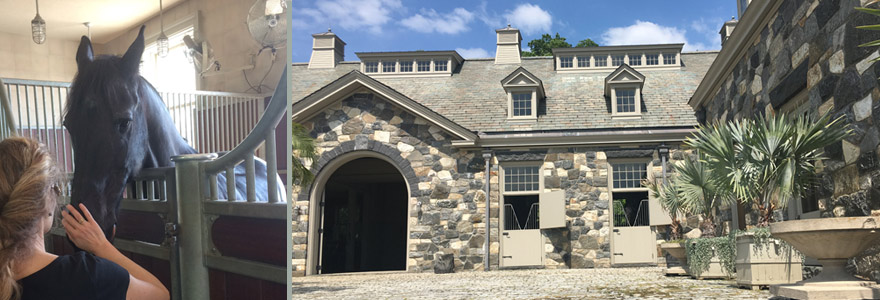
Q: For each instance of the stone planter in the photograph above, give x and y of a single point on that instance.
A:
(832, 241)
(765, 264)
(678, 251)
(714, 271)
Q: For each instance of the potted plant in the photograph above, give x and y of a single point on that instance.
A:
(667, 194)
(699, 196)
(766, 162)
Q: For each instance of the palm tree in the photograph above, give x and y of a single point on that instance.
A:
(305, 156)
(766, 161)
(667, 194)
(699, 193)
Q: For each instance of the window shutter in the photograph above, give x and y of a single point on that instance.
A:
(551, 209)
(658, 215)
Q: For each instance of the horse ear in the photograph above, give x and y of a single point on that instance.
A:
(131, 61)
(84, 54)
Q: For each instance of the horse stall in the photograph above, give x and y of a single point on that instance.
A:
(200, 243)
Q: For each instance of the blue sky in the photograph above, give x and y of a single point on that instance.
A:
(469, 26)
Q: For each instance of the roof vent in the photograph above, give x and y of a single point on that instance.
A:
(327, 50)
(509, 44)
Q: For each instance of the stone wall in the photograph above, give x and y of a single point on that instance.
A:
(446, 200)
(812, 47)
(447, 203)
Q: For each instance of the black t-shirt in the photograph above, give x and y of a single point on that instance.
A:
(77, 276)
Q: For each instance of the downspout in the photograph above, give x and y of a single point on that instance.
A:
(487, 156)
(664, 152)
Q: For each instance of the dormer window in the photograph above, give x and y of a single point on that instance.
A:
(624, 88)
(652, 59)
(600, 60)
(388, 66)
(626, 100)
(406, 66)
(608, 58)
(411, 63)
(524, 90)
(566, 62)
(635, 59)
(522, 105)
(424, 65)
(583, 61)
(440, 65)
(668, 58)
(616, 60)
(371, 66)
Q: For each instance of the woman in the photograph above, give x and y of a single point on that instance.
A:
(28, 191)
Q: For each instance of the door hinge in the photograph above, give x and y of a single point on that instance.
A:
(506, 256)
(616, 230)
(320, 230)
(321, 203)
(318, 268)
(618, 253)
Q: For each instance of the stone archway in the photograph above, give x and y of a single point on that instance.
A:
(341, 167)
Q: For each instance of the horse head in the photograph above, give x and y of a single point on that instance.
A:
(105, 116)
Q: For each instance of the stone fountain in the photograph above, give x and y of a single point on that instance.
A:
(831, 241)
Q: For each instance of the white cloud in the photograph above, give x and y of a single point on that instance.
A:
(428, 20)
(474, 53)
(491, 19)
(649, 33)
(529, 18)
(711, 38)
(643, 33)
(369, 15)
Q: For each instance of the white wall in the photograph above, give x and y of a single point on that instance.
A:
(21, 58)
(223, 24)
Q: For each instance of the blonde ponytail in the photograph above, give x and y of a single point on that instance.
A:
(27, 179)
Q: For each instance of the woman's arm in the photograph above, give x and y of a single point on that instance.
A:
(87, 235)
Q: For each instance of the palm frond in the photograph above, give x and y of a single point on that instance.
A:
(305, 155)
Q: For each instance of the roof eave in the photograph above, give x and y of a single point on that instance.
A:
(755, 18)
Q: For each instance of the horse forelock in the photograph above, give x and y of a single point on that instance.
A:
(101, 89)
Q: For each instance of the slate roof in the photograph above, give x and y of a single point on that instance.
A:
(474, 98)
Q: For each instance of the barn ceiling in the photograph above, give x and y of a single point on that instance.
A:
(64, 18)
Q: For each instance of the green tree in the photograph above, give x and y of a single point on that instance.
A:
(587, 43)
(544, 46)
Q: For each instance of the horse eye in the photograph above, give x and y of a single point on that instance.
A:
(122, 125)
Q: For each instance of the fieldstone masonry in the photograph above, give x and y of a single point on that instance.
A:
(447, 201)
(812, 46)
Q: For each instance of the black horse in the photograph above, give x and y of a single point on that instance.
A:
(118, 125)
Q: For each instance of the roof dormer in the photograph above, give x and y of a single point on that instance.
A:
(410, 63)
(606, 58)
(524, 90)
(624, 87)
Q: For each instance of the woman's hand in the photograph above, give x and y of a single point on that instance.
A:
(84, 232)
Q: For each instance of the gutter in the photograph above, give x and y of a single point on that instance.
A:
(568, 138)
(756, 17)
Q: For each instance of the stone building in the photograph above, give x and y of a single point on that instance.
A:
(414, 144)
(803, 58)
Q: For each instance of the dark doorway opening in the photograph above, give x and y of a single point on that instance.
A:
(365, 217)
(635, 209)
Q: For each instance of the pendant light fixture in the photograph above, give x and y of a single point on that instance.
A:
(38, 26)
(162, 41)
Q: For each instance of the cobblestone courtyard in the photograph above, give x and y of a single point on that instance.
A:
(629, 283)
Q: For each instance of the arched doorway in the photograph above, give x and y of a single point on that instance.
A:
(364, 224)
